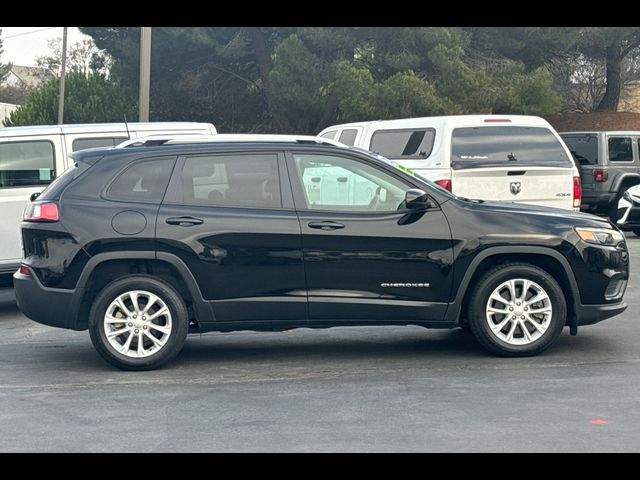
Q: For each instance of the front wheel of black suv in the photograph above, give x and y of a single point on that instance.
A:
(636, 231)
(138, 323)
(517, 310)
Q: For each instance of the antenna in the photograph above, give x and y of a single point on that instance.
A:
(126, 126)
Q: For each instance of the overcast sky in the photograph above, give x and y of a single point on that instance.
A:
(23, 44)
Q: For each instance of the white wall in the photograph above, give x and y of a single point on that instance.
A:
(5, 110)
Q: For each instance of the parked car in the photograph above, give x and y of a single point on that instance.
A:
(31, 157)
(142, 244)
(609, 165)
(490, 157)
(628, 214)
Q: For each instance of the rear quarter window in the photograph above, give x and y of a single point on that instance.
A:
(143, 181)
(408, 143)
(506, 145)
(584, 148)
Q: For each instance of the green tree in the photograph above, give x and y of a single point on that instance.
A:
(303, 79)
(611, 45)
(533, 46)
(5, 68)
(89, 99)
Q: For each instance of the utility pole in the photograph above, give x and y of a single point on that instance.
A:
(145, 73)
(63, 74)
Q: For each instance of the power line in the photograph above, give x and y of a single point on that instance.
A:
(26, 33)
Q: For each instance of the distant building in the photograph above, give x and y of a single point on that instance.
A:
(23, 76)
(5, 111)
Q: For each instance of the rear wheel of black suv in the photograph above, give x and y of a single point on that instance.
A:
(138, 323)
(517, 310)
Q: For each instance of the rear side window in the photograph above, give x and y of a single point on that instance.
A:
(584, 148)
(84, 143)
(499, 146)
(348, 136)
(409, 143)
(620, 149)
(26, 163)
(231, 181)
(144, 181)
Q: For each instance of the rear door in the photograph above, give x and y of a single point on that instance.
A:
(27, 165)
(230, 218)
(511, 163)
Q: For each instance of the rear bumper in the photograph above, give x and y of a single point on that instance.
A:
(50, 306)
(597, 199)
(590, 314)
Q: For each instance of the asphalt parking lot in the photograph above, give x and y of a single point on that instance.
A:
(343, 389)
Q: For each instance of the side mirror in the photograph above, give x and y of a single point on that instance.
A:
(34, 196)
(416, 198)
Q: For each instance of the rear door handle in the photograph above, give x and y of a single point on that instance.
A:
(326, 225)
(184, 221)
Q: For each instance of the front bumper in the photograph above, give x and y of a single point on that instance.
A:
(590, 314)
(50, 306)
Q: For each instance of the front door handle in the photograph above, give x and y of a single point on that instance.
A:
(184, 221)
(326, 225)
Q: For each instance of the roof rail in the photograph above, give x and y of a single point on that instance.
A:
(157, 140)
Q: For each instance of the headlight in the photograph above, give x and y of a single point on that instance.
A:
(600, 236)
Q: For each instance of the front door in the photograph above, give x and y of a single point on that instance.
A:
(366, 257)
(229, 219)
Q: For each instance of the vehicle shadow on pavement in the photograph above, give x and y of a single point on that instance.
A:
(344, 350)
(452, 346)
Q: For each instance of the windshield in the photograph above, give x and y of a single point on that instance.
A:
(407, 170)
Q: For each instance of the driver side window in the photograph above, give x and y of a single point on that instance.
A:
(343, 184)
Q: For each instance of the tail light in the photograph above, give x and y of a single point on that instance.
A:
(41, 212)
(446, 184)
(24, 270)
(600, 176)
(577, 192)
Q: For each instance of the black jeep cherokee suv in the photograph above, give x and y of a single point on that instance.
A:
(143, 244)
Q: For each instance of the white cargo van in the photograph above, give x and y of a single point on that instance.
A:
(31, 157)
(490, 157)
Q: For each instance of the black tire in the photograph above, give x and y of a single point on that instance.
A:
(637, 231)
(173, 301)
(480, 298)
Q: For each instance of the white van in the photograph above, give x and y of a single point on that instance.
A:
(31, 157)
(490, 157)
